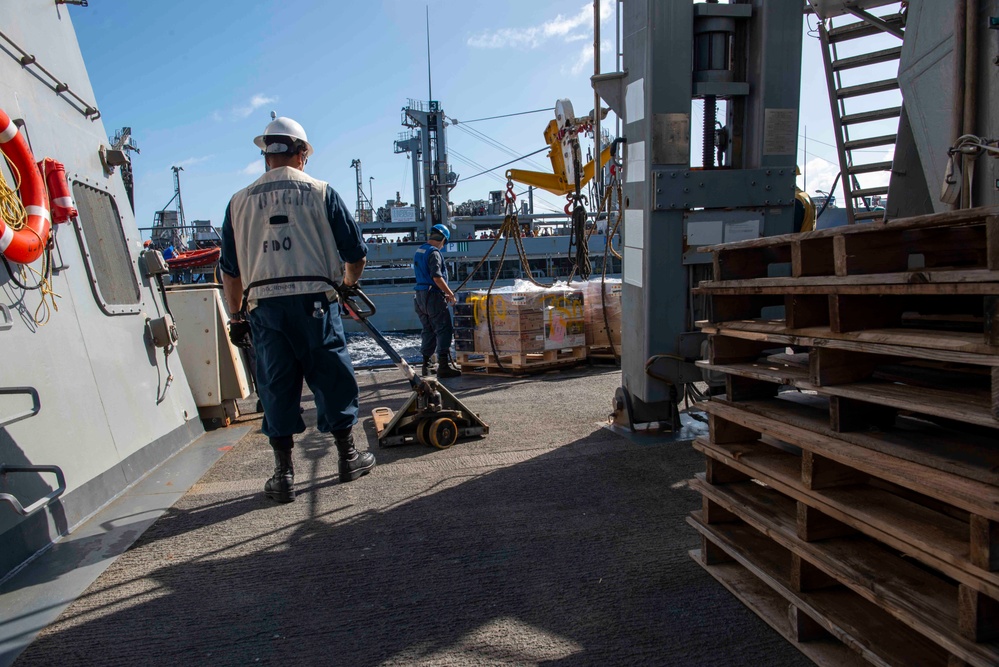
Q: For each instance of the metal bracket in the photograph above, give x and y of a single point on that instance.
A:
(685, 189)
(8, 321)
(41, 502)
(36, 403)
(610, 88)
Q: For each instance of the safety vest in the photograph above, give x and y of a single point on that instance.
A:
(421, 266)
(284, 242)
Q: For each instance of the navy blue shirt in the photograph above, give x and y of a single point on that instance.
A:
(346, 234)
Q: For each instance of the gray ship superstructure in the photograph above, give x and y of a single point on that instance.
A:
(88, 396)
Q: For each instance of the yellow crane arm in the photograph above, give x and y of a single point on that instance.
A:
(556, 183)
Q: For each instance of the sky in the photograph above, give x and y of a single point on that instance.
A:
(196, 81)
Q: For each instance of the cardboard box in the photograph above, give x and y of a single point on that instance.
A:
(509, 343)
(595, 303)
(529, 321)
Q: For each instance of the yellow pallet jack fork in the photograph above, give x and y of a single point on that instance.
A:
(432, 415)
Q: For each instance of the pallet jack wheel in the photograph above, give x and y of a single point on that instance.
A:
(442, 433)
(421, 432)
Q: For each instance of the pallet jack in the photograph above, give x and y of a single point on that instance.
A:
(432, 415)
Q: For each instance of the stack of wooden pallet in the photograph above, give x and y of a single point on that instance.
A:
(851, 496)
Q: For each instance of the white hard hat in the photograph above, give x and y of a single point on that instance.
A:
(283, 127)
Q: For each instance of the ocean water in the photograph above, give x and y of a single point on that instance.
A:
(366, 353)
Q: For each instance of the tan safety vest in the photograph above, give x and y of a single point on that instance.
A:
(284, 242)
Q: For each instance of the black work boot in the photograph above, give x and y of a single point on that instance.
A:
(353, 464)
(281, 487)
(448, 368)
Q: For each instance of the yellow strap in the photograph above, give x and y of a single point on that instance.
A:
(11, 207)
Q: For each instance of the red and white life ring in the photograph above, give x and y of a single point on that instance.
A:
(26, 244)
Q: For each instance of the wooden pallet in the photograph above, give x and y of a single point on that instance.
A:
(520, 364)
(966, 239)
(603, 352)
(829, 504)
(852, 466)
(949, 385)
(826, 514)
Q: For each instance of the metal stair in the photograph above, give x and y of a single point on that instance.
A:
(852, 164)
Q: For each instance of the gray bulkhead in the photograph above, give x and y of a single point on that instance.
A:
(104, 417)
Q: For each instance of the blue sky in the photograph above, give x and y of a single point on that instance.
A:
(197, 80)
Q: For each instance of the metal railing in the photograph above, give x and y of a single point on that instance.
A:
(36, 406)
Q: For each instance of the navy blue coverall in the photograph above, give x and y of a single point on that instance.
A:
(431, 306)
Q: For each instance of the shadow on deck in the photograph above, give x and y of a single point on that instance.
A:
(514, 550)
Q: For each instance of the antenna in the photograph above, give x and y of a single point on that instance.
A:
(273, 115)
(430, 81)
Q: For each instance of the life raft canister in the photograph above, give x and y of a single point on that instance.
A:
(24, 245)
(60, 200)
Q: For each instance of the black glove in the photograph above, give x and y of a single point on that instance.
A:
(239, 333)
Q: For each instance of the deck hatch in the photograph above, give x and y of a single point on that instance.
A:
(106, 254)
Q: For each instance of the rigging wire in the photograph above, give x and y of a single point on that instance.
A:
(494, 143)
(505, 164)
(506, 115)
(539, 200)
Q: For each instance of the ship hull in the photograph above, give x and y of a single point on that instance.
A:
(101, 406)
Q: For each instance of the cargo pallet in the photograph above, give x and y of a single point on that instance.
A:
(604, 352)
(520, 363)
(851, 490)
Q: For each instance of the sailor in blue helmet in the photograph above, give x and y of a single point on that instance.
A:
(287, 239)
(433, 297)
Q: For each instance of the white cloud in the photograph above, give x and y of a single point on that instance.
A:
(255, 168)
(584, 58)
(560, 27)
(255, 103)
(822, 172)
(821, 175)
(187, 162)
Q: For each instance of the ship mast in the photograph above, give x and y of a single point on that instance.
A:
(429, 145)
(181, 234)
(363, 212)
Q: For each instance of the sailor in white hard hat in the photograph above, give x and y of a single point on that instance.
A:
(287, 239)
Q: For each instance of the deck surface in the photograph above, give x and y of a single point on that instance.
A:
(553, 541)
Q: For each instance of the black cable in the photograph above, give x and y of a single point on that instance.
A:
(506, 163)
(494, 143)
(579, 250)
(13, 275)
(489, 296)
(507, 115)
(828, 198)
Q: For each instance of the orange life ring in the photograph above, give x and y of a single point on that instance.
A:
(26, 244)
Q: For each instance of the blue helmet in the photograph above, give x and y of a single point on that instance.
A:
(443, 231)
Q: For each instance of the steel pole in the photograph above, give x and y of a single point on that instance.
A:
(599, 171)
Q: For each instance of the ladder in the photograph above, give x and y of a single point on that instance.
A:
(852, 164)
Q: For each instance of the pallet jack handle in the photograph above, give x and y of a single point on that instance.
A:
(349, 296)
